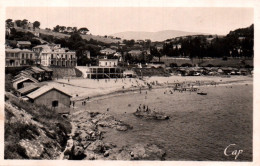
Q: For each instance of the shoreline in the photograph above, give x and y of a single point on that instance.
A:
(119, 92)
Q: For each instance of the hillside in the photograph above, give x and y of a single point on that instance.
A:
(33, 132)
(154, 36)
(62, 35)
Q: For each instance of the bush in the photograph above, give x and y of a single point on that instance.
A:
(173, 65)
(210, 65)
(186, 65)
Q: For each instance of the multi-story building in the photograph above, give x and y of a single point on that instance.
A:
(108, 62)
(54, 55)
(17, 57)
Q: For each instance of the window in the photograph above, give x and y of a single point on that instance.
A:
(30, 56)
(26, 56)
(55, 103)
(51, 56)
(22, 55)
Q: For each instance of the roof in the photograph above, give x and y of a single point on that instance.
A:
(44, 90)
(37, 69)
(108, 60)
(13, 50)
(42, 46)
(26, 50)
(28, 88)
(23, 42)
(24, 79)
(107, 49)
(46, 69)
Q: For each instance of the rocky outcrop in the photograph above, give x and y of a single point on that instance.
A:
(146, 113)
(136, 152)
(87, 139)
(33, 139)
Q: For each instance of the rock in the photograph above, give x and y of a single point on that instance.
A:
(146, 152)
(97, 146)
(124, 155)
(121, 128)
(90, 155)
(112, 154)
(78, 153)
(32, 149)
(138, 152)
(147, 113)
(109, 146)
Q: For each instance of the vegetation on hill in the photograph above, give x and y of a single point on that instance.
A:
(33, 132)
(238, 43)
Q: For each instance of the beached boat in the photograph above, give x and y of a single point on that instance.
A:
(201, 93)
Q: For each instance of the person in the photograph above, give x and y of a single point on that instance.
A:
(68, 80)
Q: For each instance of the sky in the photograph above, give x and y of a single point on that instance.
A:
(110, 20)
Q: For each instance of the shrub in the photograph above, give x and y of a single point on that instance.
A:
(186, 65)
(210, 65)
(173, 65)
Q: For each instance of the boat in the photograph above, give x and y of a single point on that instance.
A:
(201, 93)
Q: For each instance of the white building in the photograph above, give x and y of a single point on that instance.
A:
(108, 62)
(54, 55)
(18, 57)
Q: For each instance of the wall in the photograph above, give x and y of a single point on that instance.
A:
(47, 98)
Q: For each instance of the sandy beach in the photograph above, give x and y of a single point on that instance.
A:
(81, 88)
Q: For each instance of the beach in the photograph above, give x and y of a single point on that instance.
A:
(200, 127)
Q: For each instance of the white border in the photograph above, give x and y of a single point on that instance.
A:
(134, 3)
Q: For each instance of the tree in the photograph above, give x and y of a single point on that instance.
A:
(156, 53)
(83, 30)
(62, 28)
(75, 38)
(75, 29)
(69, 29)
(18, 23)
(56, 29)
(9, 23)
(24, 22)
(36, 24)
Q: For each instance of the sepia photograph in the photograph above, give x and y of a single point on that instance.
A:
(128, 83)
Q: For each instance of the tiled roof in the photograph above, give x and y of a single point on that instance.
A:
(28, 88)
(37, 69)
(44, 90)
(46, 68)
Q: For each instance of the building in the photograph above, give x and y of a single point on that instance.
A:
(119, 56)
(27, 89)
(52, 98)
(107, 51)
(176, 46)
(54, 55)
(108, 62)
(18, 57)
(23, 82)
(23, 44)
